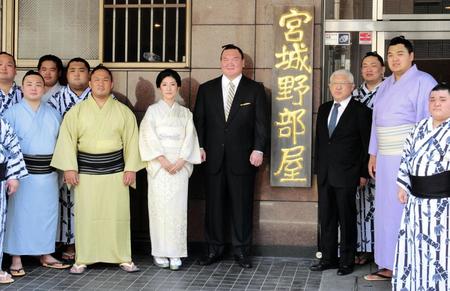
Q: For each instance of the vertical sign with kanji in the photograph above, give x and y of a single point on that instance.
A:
(292, 97)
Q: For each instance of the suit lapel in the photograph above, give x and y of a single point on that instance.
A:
(344, 117)
(219, 98)
(324, 120)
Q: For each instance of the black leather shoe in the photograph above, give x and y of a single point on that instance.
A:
(243, 261)
(210, 259)
(323, 266)
(344, 270)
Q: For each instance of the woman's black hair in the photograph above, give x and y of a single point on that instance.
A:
(168, 73)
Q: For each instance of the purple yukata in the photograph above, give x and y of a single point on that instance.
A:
(398, 106)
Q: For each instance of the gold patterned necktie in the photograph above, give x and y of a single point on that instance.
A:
(230, 97)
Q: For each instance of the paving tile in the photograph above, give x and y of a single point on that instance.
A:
(267, 274)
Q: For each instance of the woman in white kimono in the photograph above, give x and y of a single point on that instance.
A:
(421, 261)
(168, 143)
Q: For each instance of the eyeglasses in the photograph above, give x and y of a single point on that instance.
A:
(340, 83)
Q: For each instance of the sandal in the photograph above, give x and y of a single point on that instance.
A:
(68, 256)
(17, 272)
(55, 265)
(77, 269)
(129, 267)
(377, 276)
(363, 259)
(5, 278)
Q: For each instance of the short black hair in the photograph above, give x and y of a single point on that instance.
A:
(442, 86)
(79, 60)
(231, 47)
(10, 55)
(373, 54)
(32, 73)
(168, 73)
(52, 58)
(101, 67)
(402, 40)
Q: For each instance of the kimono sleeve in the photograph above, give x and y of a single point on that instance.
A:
(373, 144)
(404, 171)
(130, 141)
(426, 85)
(190, 150)
(10, 147)
(65, 154)
(149, 143)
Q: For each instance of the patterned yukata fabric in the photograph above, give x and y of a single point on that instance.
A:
(421, 260)
(365, 197)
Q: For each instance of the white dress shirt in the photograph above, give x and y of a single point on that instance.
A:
(225, 84)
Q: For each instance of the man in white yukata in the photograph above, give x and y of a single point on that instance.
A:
(77, 90)
(10, 93)
(421, 261)
(97, 149)
(401, 101)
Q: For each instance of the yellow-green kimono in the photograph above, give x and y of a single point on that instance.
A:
(102, 211)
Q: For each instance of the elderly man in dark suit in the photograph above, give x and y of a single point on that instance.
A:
(341, 156)
(231, 120)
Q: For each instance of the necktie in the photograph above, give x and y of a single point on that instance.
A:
(333, 119)
(230, 97)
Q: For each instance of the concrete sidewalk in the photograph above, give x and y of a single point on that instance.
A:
(355, 281)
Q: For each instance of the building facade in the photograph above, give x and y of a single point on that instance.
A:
(138, 38)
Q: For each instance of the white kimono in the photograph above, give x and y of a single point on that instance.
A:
(421, 257)
(168, 131)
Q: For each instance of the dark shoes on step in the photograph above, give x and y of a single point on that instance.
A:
(242, 260)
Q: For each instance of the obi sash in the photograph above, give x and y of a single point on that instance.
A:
(392, 138)
(431, 187)
(38, 164)
(3, 171)
(101, 164)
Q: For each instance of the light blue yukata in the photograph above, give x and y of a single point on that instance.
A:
(422, 253)
(33, 210)
(11, 155)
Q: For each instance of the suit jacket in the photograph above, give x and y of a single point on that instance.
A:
(244, 131)
(342, 158)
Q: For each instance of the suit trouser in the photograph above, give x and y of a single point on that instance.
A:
(229, 199)
(337, 207)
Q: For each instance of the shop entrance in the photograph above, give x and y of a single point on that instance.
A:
(431, 48)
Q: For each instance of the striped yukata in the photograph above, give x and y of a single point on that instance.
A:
(422, 252)
(365, 197)
(62, 101)
(12, 97)
(65, 98)
(11, 154)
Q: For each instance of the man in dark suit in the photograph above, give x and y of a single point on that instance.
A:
(231, 120)
(341, 156)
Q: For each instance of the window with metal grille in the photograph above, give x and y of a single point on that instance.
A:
(145, 33)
